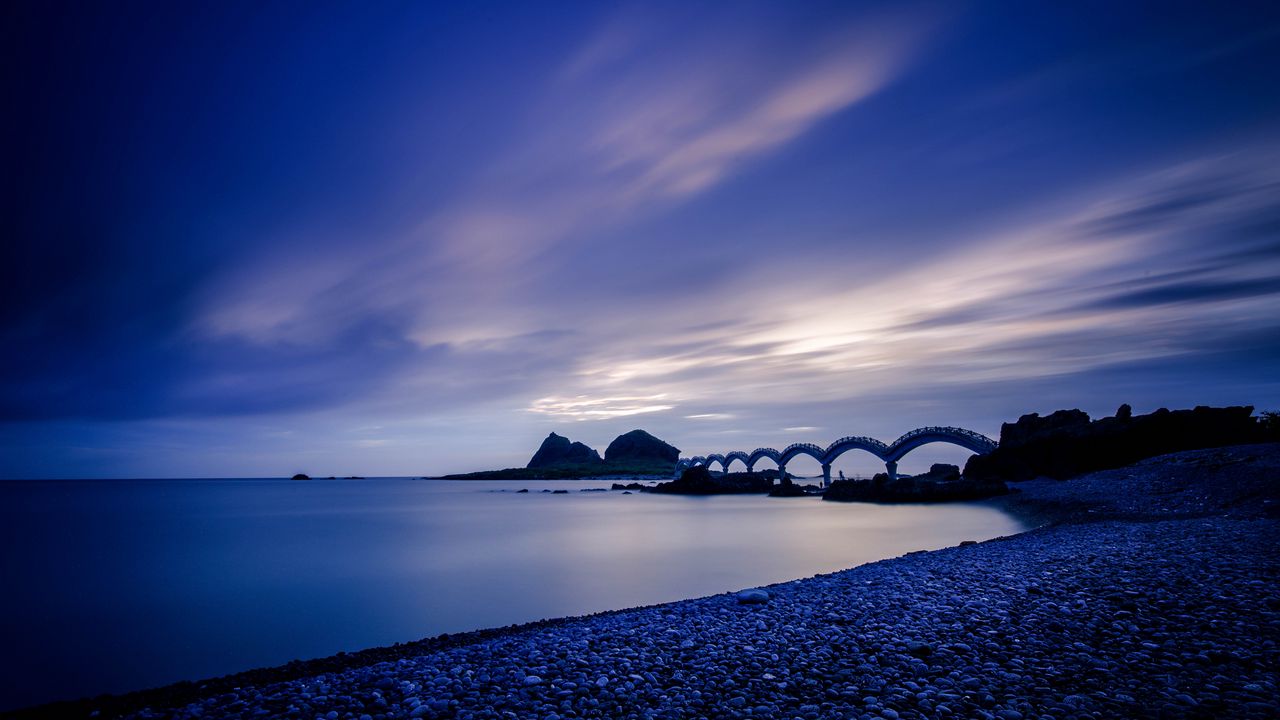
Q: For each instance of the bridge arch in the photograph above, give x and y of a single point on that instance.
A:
(761, 453)
(967, 439)
(715, 458)
(736, 455)
(854, 442)
(797, 449)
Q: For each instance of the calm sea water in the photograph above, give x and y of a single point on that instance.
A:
(112, 586)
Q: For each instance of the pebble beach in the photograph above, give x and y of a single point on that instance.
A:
(1149, 591)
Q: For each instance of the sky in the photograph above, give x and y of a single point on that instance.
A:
(253, 239)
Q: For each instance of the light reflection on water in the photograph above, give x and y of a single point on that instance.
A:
(119, 585)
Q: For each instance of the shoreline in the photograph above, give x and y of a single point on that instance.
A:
(1054, 509)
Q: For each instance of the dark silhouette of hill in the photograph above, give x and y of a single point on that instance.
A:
(1067, 443)
(556, 450)
(640, 447)
(633, 453)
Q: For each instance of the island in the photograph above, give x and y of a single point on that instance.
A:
(632, 454)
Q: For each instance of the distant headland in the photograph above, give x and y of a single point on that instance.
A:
(1063, 444)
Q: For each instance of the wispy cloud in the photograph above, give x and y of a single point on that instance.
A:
(736, 221)
(583, 407)
(639, 118)
(1062, 295)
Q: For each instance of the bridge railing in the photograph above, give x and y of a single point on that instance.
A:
(976, 437)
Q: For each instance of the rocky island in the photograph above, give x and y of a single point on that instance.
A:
(635, 453)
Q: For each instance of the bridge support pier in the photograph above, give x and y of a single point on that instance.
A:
(826, 475)
(892, 468)
(751, 468)
(782, 474)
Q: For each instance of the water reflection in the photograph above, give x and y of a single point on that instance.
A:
(128, 584)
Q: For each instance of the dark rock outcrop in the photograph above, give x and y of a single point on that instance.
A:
(556, 450)
(786, 488)
(1066, 443)
(941, 472)
(942, 483)
(640, 448)
(301, 476)
(941, 486)
(700, 481)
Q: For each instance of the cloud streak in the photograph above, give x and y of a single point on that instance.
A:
(756, 222)
(613, 137)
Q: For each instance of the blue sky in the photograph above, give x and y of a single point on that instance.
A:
(409, 238)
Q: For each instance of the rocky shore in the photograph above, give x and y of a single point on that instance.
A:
(1150, 592)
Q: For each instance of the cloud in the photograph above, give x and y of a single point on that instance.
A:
(1190, 292)
(583, 407)
(726, 219)
(641, 117)
(1064, 295)
(689, 138)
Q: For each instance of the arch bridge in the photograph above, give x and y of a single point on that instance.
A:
(890, 453)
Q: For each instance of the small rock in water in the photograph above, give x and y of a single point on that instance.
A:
(753, 596)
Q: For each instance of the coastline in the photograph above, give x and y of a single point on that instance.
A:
(1214, 499)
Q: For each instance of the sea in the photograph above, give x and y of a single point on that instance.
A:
(118, 585)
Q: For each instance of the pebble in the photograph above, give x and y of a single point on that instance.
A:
(753, 596)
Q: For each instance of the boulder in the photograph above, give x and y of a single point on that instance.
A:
(942, 472)
(753, 596)
(557, 450)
